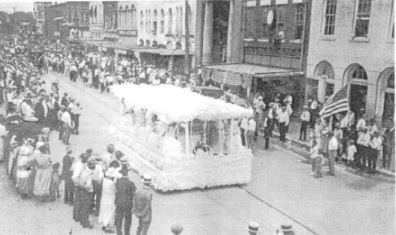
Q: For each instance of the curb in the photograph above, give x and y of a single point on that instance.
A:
(302, 149)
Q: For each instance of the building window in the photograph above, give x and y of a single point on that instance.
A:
(280, 19)
(298, 21)
(170, 20)
(134, 18)
(362, 18)
(265, 26)
(330, 16)
(155, 20)
(359, 73)
(162, 24)
(250, 23)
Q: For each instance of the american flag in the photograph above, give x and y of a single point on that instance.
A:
(234, 79)
(337, 103)
(218, 76)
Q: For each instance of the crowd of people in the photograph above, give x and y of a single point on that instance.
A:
(355, 142)
(94, 184)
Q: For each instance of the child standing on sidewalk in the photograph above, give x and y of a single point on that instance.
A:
(351, 152)
(316, 160)
(55, 182)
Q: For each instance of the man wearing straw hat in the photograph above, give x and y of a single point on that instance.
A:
(142, 206)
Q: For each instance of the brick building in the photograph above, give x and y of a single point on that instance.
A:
(352, 42)
(256, 46)
(64, 19)
(39, 16)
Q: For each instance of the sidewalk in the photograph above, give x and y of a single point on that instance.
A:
(302, 147)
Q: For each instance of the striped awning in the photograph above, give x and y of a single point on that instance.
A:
(218, 76)
(233, 79)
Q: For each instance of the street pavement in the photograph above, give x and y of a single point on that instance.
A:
(281, 192)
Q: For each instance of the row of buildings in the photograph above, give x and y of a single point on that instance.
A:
(302, 47)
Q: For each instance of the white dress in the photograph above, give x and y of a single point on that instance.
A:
(107, 203)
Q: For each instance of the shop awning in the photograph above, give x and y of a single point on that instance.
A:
(58, 18)
(242, 74)
(70, 24)
(163, 51)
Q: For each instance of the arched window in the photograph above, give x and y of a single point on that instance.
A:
(147, 22)
(181, 20)
(141, 21)
(133, 17)
(125, 22)
(359, 73)
(162, 21)
(385, 104)
(120, 17)
(155, 20)
(324, 74)
(177, 21)
(355, 75)
(178, 46)
(148, 43)
(170, 21)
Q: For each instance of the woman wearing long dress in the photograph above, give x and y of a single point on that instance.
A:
(42, 179)
(107, 203)
(35, 153)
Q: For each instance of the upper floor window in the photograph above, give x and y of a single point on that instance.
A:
(330, 16)
(162, 19)
(359, 72)
(362, 18)
(170, 21)
(298, 21)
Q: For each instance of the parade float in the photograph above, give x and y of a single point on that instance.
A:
(182, 139)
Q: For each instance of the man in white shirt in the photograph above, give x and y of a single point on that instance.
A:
(67, 125)
(97, 179)
(77, 168)
(361, 124)
(313, 109)
(375, 147)
(333, 147)
(305, 118)
(283, 123)
(250, 132)
(363, 144)
(108, 157)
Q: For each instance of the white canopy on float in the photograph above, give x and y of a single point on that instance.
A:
(175, 104)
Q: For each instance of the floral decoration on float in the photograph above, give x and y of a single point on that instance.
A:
(182, 139)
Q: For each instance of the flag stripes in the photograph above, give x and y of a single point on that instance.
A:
(337, 103)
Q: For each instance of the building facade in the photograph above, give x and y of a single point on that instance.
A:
(39, 16)
(96, 20)
(127, 21)
(352, 43)
(68, 19)
(162, 29)
(256, 46)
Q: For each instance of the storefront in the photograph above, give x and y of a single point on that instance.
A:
(247, 80)
(169, 59)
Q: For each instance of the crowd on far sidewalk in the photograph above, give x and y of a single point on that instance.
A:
(356, 142)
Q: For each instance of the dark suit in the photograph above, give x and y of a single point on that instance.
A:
(125, 190)
(66, 176)
(65, 101)
(40, 112)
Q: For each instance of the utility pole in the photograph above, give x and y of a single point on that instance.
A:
(187, 39)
